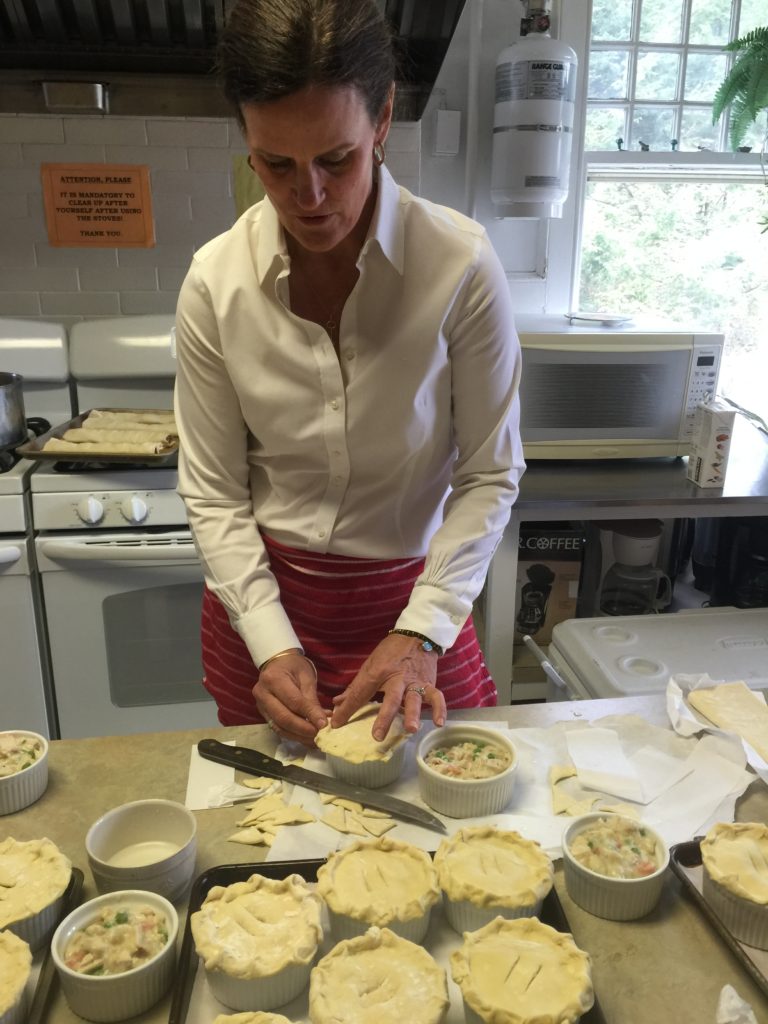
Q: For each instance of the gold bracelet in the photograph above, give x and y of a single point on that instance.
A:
(282, 654)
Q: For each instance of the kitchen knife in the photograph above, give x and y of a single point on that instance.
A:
(256, 763)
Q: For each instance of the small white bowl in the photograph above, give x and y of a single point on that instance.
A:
(465, 798)
(371, 774)
(28, 785)
(113, 997)
(615, 899)
(147, 844)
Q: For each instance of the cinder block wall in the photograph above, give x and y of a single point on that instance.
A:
(190, 161)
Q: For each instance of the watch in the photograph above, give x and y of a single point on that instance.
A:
(426, 644)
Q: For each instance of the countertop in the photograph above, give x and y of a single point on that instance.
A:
(668, 966)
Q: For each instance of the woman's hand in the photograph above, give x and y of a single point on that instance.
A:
(405, 673)
(286, 696)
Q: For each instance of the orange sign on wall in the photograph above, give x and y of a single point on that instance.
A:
(98, 204)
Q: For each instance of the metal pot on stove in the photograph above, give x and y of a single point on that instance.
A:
(13, 423)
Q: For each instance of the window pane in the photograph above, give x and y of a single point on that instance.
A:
(608, 74)
(654, 126)
(661, 21)
(697, 130)
(657, 75)
(753, 15)
(703, 74)
(611, 19)
(690, 252)
(604, 127)
(710, 22)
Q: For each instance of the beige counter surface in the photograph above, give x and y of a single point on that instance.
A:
(669, 966)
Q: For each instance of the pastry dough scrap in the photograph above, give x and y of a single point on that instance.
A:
(733, 706)
(564, 802)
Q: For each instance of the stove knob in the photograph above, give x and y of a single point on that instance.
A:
(134, 509)
(90, 510)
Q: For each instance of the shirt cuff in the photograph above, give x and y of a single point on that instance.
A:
(266, 631)
(436, 614)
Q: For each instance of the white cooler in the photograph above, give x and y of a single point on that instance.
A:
(625, 656)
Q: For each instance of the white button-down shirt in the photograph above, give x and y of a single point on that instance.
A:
(405, 444)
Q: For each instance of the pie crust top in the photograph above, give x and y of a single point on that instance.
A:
(733, 706)
(493, 868)
(379, 882)
(254, 929)
(353, 742)
(523, 971)
(735, 855)
(251, 1017)
(15, 968)
(33, 875)
(377, 978)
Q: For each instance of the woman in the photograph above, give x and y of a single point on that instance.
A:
(346, 398)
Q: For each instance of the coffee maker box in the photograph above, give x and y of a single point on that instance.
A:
(710, 443)
(549, 560)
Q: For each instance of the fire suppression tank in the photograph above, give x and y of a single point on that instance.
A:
(534, 105)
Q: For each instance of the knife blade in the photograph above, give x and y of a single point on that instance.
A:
(256, 763)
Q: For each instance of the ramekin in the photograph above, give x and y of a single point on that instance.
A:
(25, 787)
(113, 997)
(11, 946)
(265, 993)
(615, 899)
(38, 928)
(465, 798)
(746, 921)
(371, 774)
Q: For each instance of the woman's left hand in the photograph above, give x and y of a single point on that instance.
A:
(405, 673)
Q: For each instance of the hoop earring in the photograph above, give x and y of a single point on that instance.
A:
(379, 154)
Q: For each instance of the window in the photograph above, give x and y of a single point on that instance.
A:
(670, 216)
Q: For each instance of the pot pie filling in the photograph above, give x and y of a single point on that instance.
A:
(521, 971)
(735, 855)
(17, 752)
(254, 929)
(15, 968)
(617, 848)
(119, 939)
(379, 882)
(354, 741)
(377, 978)
(33, 875)
(491, 867)
(470, 759)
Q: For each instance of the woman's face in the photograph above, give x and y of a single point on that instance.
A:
(313, 151)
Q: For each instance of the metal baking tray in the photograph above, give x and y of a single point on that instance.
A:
(33, 449)
(552, 913)
(48, 979)
(685, 861)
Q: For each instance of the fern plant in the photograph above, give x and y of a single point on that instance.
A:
(745, 88)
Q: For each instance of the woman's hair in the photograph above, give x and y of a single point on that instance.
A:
(272, 48)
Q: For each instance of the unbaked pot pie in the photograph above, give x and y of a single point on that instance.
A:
(377, 978)
(355, 756)
(34, 876)
(522, 972)
(486, 872)
(258, 940)
(15, 968)
(251, 1017)
(384, 883)
(735, 878)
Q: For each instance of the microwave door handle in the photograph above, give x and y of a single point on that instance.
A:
(80, 551)
(10, 555)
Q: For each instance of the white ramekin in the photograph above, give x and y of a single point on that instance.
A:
(465, 916)
(615, 899)
(114, 997)
(259, 993)
(38, 928)
(345, 927)
(25, 787)
(16, 1011)
(465, 798)
(746, 921)
(371, 774)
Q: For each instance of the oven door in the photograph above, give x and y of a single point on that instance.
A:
(123, 623)
(23, 694)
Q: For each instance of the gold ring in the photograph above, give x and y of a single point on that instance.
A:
(271, 725)
(421, 690)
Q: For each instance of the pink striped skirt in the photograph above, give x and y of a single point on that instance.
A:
(340, 608)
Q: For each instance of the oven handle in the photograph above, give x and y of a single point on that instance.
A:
(108, 551)
(10, 555)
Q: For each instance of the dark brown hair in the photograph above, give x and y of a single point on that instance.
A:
(272, 48)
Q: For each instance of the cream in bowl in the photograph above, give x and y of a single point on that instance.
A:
(466, 771)
(147, 844)
(115, 955)
(23, 769)
(614, 866)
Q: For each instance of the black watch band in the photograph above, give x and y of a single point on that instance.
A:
(426, 644)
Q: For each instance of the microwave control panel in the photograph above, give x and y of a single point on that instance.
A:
(702, 382)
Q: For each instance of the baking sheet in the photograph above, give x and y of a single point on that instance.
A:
(33, 449)
(193, 1002)
(685, 860)
(44, 985)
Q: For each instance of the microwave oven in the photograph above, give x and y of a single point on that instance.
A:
(591, 392)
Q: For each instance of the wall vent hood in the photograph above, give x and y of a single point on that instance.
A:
(155, 56)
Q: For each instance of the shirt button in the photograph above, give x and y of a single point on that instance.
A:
(321, 533)
(350, 353)
(336, 453)
(335, 403)
(338, 479)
